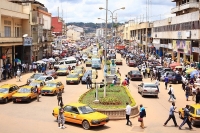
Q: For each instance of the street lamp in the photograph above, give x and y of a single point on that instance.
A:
(112, 13)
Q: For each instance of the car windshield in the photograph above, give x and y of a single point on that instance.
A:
(72, 76)
(50, 85)
(34, 84)
(149, 86)
(198, 111)
(62, 69)
(85, 109)
(35, 76)
(135, 72)
(4, 90)
(41, 78)
(24, 90)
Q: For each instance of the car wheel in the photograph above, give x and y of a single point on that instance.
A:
(29, 100)
(86, 125)
(14, 101)
(6, 100)
(192, 122)
(156, 96)
(142, 94)
(42, 94)
(180, 116)
(54, 93)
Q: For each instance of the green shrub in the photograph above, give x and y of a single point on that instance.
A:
(110, 101)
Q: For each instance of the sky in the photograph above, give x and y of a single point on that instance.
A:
(88, 10)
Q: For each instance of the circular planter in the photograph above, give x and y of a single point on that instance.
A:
(119, 114)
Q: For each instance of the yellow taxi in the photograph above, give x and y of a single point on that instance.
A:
(88, 63)
(52, 88)
(25, 93)
(194, 112)
(6, 92)
(82, 114)
(81, 67)
(38, 83)
(62, 71)
(79, 71)
(73, 78)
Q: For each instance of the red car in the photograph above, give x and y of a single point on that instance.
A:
(132, 63)
(118, 62)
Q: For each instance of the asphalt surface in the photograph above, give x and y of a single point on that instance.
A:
(36, 117)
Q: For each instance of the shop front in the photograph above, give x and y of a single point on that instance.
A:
(195, 54)
(183, 49)
(156, 43)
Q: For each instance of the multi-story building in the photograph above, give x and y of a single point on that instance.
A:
(14, 22)
(179, 35)
(74, 32)
(58, 26)
(38, 30)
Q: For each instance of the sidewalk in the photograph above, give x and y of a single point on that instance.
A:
(14, 80)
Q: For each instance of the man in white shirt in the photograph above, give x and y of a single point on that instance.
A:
(128, 113)
(171, 93)
(157, 84)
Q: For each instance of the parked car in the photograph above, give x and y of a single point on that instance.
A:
(34, 77)
(39, 84)
(25, 93)
(135, 75)
(84, 114)
(84, 57)
(79, 71)
(148, 89)
(45, 78)
(52, 88)
(132, 63)
(194, 112)
(51, 73)
(6, 92)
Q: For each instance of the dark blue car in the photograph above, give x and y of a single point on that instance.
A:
(174, 78)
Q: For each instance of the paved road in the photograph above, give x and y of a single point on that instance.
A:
(36, 117)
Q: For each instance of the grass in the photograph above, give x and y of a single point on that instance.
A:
(116, 98)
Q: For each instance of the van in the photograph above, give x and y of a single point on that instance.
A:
(96, 63)
(66, 63)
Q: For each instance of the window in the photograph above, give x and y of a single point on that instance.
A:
(11, 89)
(61, 63)
(7, 31)
(17, 31)
(191, 109)
(68, 108)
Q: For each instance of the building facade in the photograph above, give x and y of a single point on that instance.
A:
(74, 33)
(179, 35)
(14, 22)
(59, 27)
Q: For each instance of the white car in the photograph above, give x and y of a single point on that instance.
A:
(149, 89)
(84, 57)
(45, 78)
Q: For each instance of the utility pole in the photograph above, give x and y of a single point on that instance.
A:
(105, 66)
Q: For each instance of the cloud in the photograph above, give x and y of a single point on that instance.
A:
(88, 10)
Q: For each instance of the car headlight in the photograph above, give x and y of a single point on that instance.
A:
(95, 121)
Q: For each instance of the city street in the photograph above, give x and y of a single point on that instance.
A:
(36, 117)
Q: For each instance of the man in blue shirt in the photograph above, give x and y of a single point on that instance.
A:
(166, 81)
(186, 118)
(171, 115)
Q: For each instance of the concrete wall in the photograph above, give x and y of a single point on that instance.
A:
(47, 22)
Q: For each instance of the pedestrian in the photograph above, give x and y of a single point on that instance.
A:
(128, 113)
(171, 115)
(148, 72)
(142, 115)
(186, 117)
(193, 92)
(37, 91)
(88, 81)
(166, 81)
(187, 92)
(157, 84)
(171, 93)
(61, 118)
(198, 96)
(128, 80)
(59, 97)
(18, 75)
(1, 71)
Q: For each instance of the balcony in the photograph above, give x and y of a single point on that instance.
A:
(10, 39)
(175, 9)
(185, 6)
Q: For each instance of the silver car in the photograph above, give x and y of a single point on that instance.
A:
(149, 89)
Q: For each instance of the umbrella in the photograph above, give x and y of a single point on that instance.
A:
(195, 72)
(179, 67)
(175, 64)
(17, 60)
(41, 62)
(45, 60)
(190, 70)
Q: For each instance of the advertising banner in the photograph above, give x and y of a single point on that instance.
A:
(187, 48)
(28, 41)
(174, 45)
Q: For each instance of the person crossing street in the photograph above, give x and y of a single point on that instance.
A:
(186, 117)
(59, 97)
